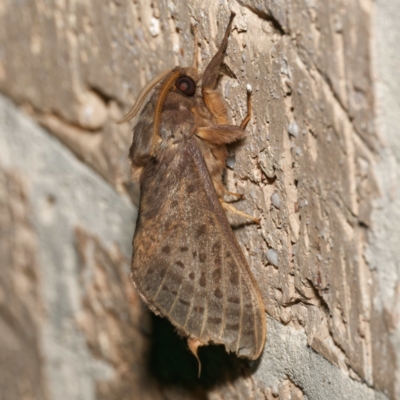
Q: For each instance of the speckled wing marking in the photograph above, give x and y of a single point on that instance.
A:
(187, 263)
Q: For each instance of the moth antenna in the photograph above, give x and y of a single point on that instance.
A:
(142, 96)
(159, 106)
(194, 345)
(195, 63)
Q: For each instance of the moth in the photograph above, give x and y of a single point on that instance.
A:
(187, 264)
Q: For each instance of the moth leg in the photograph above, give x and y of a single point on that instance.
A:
(225, 133)
(216, 106)
(221, 134)
(238, 195)
(249, 109)
(232, 209)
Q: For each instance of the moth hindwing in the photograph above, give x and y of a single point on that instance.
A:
(187, 264)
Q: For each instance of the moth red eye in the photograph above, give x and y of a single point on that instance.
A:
(186, 85)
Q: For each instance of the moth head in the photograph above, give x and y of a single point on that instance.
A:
(184, 79)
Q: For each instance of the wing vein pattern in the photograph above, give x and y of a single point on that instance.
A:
(187, 263)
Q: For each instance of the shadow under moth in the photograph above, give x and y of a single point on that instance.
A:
(187, 264)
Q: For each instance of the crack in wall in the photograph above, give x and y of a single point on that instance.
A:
(269, 17)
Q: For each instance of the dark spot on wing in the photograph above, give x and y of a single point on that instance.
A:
(201, 230)
(216, 247)
(233, 274)
(217, 274)
(234, 300)
(152, 269)
(170, 225)
(191, 188)
(218, 293)
(199, 309)
(234, 278)
(166, 249)
(203, 280)
(149, 213)
(184, 302)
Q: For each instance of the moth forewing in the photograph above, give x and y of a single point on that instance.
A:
(187, 263)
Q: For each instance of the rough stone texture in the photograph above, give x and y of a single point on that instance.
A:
(383, 253)
(20, 302)
(90, 327)
(306, 168)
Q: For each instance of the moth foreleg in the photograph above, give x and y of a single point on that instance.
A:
(216, 106)
(230, 208)
(238, 195)
(249, 109)
(221, 134)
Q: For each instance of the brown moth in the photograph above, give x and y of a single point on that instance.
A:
(187, 264)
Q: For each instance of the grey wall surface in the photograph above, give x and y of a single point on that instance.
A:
(383, 252)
